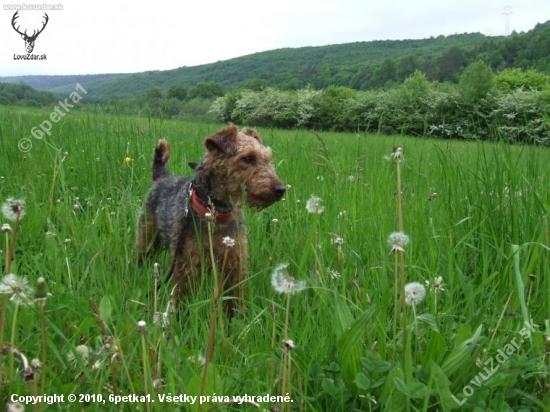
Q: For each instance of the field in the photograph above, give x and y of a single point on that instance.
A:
(475, 213)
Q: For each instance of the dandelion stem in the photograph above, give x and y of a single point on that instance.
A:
(395, 302)
(145, 368)
(10, 253)
(286, 356)
(155, 290)
(44, 347)
(8, 256)
(273, 335)
(2, 319)
(214, 311)
(12, 341)
(402, 259)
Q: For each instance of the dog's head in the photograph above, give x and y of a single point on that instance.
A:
(244, 164)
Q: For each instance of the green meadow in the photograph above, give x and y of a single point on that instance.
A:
(476, 215)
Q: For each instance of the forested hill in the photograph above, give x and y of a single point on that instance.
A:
(360, 65)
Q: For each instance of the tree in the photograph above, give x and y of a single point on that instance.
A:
(476, 81)
(450, 63)
(510, 80)
(177, 91)
(406, 66)
(385, 75)
(207, 90)
(331, 113)
(154, 92)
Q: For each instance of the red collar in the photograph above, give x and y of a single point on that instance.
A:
(201, 210)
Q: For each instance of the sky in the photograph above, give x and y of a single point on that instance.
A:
(128, 37)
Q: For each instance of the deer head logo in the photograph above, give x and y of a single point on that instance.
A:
(29, 40)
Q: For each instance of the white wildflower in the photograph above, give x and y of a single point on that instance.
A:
(228, 242)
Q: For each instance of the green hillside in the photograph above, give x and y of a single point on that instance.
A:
(360, 65)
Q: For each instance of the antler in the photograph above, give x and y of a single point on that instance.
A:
(15, 16)
(43, 26)
(34, 34)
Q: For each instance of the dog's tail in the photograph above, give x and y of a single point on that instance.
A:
(160, 157)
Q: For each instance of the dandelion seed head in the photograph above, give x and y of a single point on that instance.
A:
(141, 325)
(36, 364)
(228, 241)
(198, 359)
(275, 221)
(19, 288)
(339, 241)
(5, 228)
(81, 350)
(398, 241)
(397, 153)
(289, 344)
(438, 284)
(283, 283)
(13, 209)
(414, 293)
(14, 407)
(313, 205)
(333, 274)
(162, 319)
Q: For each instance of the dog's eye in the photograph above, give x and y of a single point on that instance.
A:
(249, 159)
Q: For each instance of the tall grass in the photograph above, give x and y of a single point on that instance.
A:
(476, 215)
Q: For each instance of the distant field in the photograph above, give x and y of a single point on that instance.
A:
(476, 215)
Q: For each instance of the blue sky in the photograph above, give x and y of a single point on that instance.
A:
(121, 37)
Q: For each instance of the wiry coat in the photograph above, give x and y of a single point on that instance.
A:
(236, 165)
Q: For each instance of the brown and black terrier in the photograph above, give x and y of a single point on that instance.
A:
(179, 210)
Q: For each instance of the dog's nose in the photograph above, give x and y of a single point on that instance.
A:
(279, 190)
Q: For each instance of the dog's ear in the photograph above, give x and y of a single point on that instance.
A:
(253, 133)
(223, 141)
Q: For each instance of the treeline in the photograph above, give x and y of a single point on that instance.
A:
(178, 102)
(23, 95)
(513, 105)
(360, 66)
